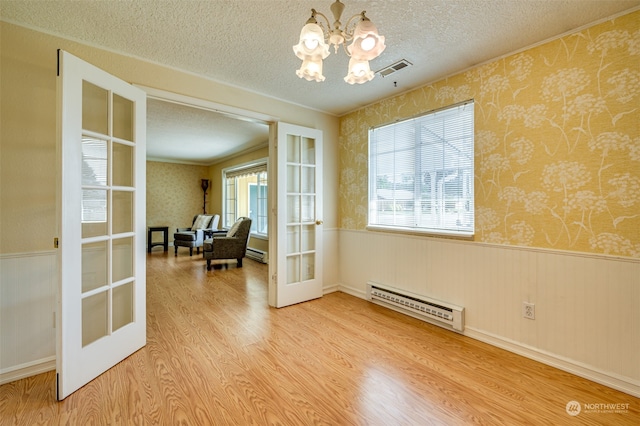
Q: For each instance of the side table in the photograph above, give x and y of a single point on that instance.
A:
(165, 233)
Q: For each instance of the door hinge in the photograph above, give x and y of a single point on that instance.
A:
(56, 242)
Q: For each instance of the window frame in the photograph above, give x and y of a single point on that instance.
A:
(417, 203)
(250, 167)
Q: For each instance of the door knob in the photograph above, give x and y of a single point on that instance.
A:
(319, 222)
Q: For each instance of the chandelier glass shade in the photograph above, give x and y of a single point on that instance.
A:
(315, 39)
(367, 43)
(311, 69)
(312, 43)
(359, 71)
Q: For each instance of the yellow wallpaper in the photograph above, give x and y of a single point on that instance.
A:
(557, 142)
(174, 195)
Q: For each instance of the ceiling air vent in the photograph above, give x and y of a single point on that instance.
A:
(394, 67)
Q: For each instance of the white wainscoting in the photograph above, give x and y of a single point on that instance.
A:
(330, 260)
(587, 307)
(27, 306)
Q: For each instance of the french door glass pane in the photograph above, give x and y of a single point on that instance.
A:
(308, 180)
(94, 212)
(308, 151)
(308, 266)
(293, 178)
(293, 269)
(293, 239)
(293, 149)
(94, 265)
(122, 165)
(122, 212)
(94, 161)
(308, 208)
(122, 265)
(308, 238)
(94, 317)
(293, 208)
(122, 118)
(122, 305)
(95, 108)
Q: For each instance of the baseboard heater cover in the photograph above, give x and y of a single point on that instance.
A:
(426, 309)
(257, 255)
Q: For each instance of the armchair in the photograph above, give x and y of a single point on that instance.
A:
(233, 245)
(193, 237)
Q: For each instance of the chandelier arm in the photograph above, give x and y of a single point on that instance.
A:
(326, 30)
(348, 33)
(344, 48)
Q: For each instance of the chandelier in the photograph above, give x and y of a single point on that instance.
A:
(315, 39)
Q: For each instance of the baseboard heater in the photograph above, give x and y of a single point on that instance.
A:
(430, 310)
(257, 255)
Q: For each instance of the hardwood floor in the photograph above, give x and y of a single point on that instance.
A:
(217, 354)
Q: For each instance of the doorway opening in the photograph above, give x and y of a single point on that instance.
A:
(212, 138)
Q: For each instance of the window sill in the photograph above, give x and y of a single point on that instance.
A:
(259, 236)
(422, 232)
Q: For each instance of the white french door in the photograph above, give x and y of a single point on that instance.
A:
(101, 313)
(299, 208)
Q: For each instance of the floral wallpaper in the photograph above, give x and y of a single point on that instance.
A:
(174, 195)
(557, 142)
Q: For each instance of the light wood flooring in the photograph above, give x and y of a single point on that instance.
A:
(217, 354)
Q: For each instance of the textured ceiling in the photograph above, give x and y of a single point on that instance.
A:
(248, 43)
(183, 134)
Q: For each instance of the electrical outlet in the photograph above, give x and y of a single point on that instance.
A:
(528, 310)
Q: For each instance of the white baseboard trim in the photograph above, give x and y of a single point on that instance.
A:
(330, 289)
(352, 291)
(611, 380)
(27, 370)
(623, 384)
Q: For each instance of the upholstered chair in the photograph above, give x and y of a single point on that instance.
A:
(232, 245)
(193, 237)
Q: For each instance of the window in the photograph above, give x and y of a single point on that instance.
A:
(421, 173)
(245, 194)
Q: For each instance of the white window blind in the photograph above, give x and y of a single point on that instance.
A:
(94, 179)
(246, 171)
(421, 173)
